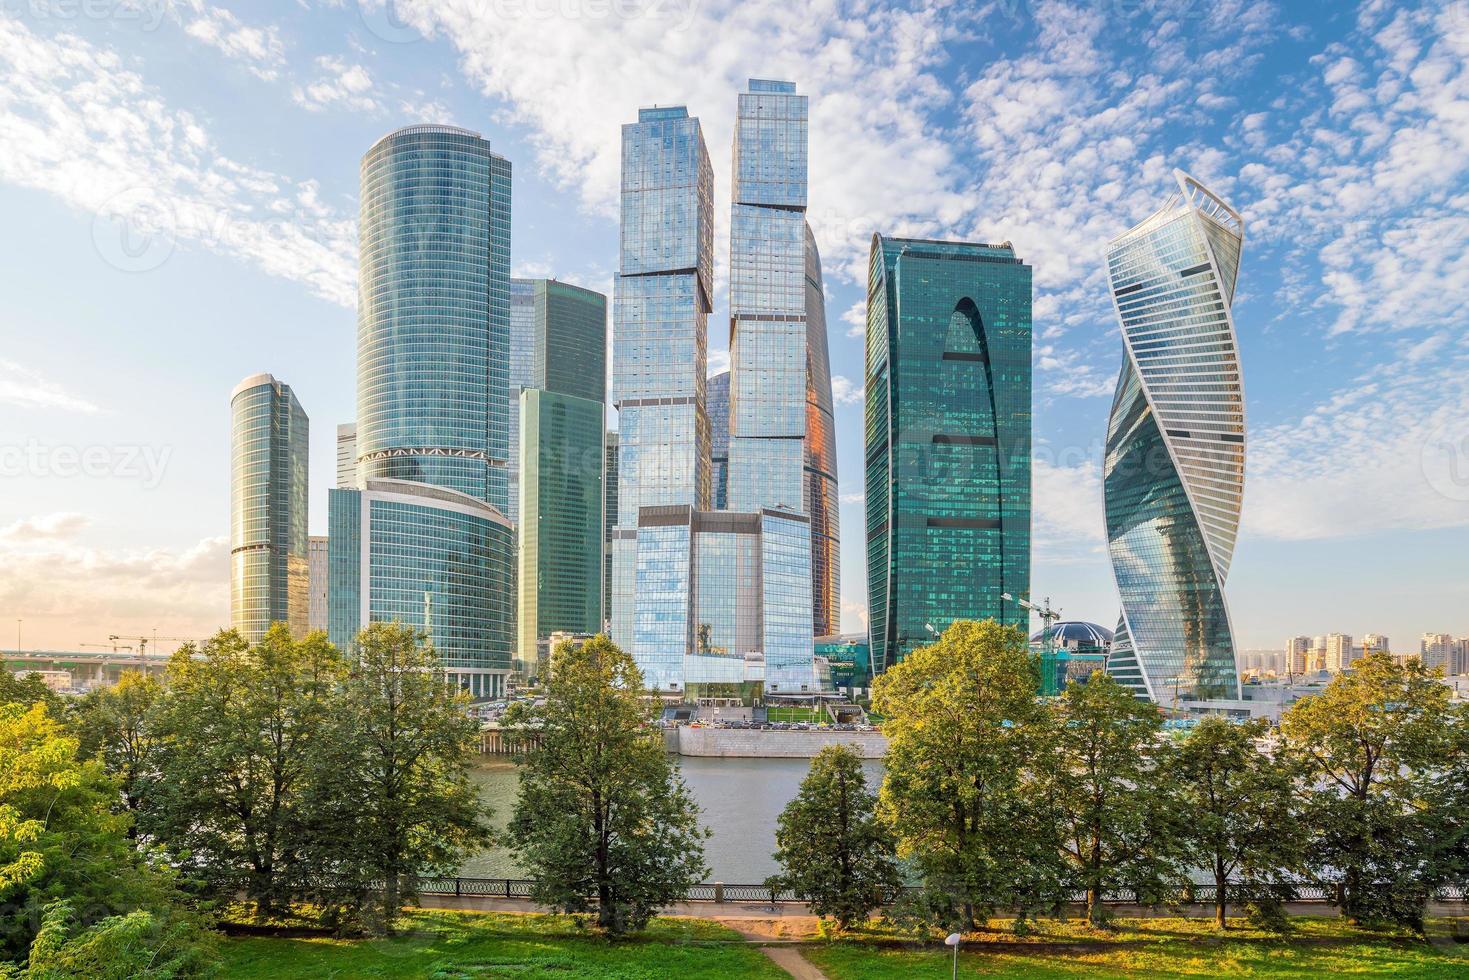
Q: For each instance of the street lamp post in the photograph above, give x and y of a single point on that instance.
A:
(954, 940)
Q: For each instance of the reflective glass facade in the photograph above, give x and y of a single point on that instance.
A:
(1174, 469)
(948, 439)
(431, 558)
(609, 518)
(434, 312)
(269, 570)
(662, 305)
(718, 392)
(560, 539)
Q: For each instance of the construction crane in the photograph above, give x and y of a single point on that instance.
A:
(1049, 616)
(143, 641)
(114, 647)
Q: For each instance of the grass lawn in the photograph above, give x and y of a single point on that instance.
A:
(795, 715)
(460, 945)
(1158, 948)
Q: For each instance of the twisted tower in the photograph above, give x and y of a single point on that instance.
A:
(1175, 463)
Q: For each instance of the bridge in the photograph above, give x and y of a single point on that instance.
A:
(87, 669)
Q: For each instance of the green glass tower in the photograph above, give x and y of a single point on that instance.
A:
(560, 553)
(948, 438)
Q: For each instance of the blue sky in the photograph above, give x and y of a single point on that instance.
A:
(178, 183)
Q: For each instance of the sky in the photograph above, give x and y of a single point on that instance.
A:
(178, 184)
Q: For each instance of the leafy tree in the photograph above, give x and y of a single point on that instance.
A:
(59, 836)
(238, 731)
(1105, 777)
(963, 720)
(140, 945)
(1371, 743)
(115, 725)
(28, 690)
(602, 818)
(833, 851)
(1238, 805)
(393, 800)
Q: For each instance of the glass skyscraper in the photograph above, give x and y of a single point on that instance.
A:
(561, 537)
(433, 317)
(782, 446)
(719, 441)
(662, 301)
(948, 439)
(425, 540)
(269, 570)
(1173, 477)
(431, 558)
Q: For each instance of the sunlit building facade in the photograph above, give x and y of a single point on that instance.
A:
(948, 439)
(718, 403)
(433, 315)
(431, 558)
(1175, 455)
(269, 570)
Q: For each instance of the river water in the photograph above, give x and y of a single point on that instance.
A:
(740, 800)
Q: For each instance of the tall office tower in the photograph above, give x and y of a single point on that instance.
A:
(1298, 654)
(560, 539)
(433, 313)
(1175, 460)
(948, 423)
(782, 438)
(431, 558)
(269, 573)
(346, 455)
(425, 540)
(718, 388)
(521, 374)
(1375, 643)
(663, 290)
(609, 521)
(1338, 652)
(317, 578)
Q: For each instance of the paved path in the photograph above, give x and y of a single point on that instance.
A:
(789, 959)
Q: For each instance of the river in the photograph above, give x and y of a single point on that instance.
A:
(740, 799)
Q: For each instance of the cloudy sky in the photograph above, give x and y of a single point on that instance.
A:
(178, 185)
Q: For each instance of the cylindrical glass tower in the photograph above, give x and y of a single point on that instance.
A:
(433, 312)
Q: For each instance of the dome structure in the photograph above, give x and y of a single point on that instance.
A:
(1078, 637)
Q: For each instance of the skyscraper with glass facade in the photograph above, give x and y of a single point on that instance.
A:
(1173, 476)
(425, 540)
(782, 447)
(269, 570)
(431, 558)
(662, 304)
(948, 439)
(560, 538)
(718, 389)
(433, 316)
(609, 519)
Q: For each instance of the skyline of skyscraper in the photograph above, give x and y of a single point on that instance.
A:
(948, 439)
(1173, 476)
(269, 459)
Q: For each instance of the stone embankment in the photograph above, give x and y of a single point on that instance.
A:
(768, 743)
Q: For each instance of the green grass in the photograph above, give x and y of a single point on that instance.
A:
(1156, 948)
(795, 715)
(460, 945)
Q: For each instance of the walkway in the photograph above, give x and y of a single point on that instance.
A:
(789, 959)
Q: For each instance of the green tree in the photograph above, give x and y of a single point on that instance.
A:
(962, 720)
(602, 818)
(393, 800)
(60, 837)
(1239, 808)
(1105, 777)
(237, 734)
(116, 726)
(1372, 743)
(833, 851)
(29, 690)
(141, 945)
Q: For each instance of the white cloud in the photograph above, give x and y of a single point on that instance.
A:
(76, 123)
(844, 391)
(24, 387)
(260, 48)
(64, 524)
(1066, 494)
(339, 85)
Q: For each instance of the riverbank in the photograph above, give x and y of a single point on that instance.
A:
(698, 741)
